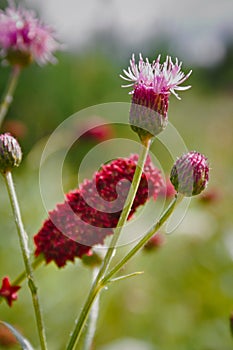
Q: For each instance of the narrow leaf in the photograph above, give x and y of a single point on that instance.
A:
(25, 345)
(125, 276)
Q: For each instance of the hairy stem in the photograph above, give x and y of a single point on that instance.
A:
(23, 240)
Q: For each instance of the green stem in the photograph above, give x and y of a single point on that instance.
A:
(92, 319)
(97, 285)
(8, 96)
(127, 207)
(23, 240)
(144, 240)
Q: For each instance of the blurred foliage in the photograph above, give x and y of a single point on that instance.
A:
(185, 297)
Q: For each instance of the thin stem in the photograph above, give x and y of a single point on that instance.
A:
(96, 288)
(23, 240)
(127, 207)
(144, 240)
(8, 96)
(92, 320)
(97, 285)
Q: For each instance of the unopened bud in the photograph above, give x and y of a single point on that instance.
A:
(10, 153)
(190, 174)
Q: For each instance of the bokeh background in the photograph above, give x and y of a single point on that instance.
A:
(184, 299)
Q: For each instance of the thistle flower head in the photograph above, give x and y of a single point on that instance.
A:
(152, 84)
(23, 38)
(10, 153)
(8, 291)
(190, 174)
(161, 78)
(91, 212)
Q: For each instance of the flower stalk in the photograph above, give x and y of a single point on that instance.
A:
(92, 320)
(102, 282)
(97, 285)
(23, 240)
(145, 239)
(8, 96)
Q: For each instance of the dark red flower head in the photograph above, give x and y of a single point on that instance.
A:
(90, 213)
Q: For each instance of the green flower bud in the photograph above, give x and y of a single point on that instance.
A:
(10, 153)
(190, 174)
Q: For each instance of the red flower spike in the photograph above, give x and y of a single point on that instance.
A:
(8, 291)
(90, 213)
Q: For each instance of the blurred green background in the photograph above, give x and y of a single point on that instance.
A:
(184, 299)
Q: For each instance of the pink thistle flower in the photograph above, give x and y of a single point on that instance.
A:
(90, 213)
(152, 85)
(190, 174)
(23, 38)
(8, 291)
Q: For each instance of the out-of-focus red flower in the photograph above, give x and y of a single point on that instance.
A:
(16, 128)
(24, 38)
(8, 291)
(210, 196)
(155, 242)
(7, 339)
(97, 129)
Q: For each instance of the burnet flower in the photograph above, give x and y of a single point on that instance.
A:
(24, 38)
(152, 85)
(190, 174)
(91, 212)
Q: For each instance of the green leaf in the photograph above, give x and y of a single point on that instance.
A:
(125, 276)
(25, 345)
